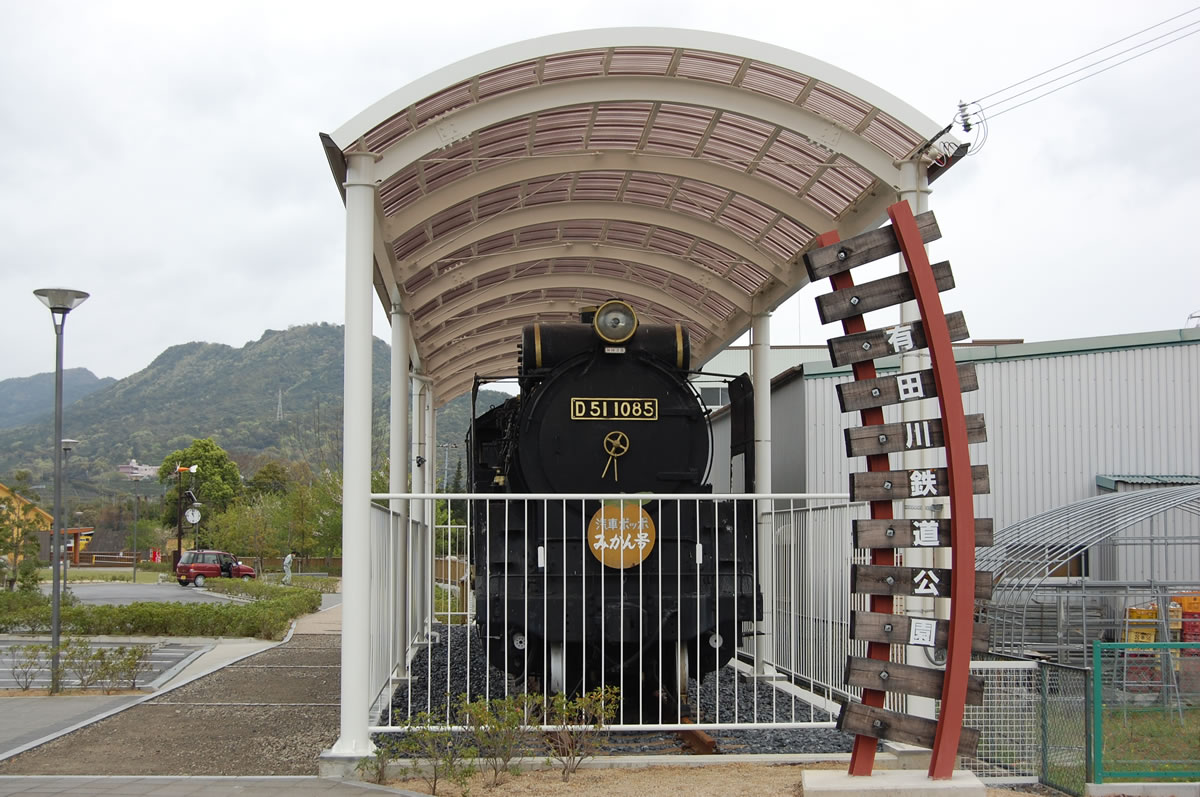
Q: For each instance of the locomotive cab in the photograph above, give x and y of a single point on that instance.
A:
(639, 593)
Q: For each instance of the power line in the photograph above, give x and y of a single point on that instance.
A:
(1085, 55)
(1093, 74)
(1101, 61)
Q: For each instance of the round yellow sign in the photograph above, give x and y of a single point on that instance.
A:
(621, 535)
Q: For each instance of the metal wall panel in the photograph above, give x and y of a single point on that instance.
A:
(1054, 422)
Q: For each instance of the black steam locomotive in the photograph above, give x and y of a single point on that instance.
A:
(641, 594)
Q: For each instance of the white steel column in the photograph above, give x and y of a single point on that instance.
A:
(398, 468)
(353, 739)
(760, 366)
(430, 447)
(914, 187)
(420, 395)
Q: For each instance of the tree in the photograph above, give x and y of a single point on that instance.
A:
(252, 526)
(216, 482)
(271, 478)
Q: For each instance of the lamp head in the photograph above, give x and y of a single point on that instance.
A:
(68, 444)
(60, 300)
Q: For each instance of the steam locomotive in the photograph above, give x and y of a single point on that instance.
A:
(638, 593)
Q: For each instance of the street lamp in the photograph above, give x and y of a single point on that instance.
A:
(67, 445)
(179, 471)
(60, 301)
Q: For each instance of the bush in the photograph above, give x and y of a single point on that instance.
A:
(437, 753)
(578, 724)
(28, 661)
(499, 730)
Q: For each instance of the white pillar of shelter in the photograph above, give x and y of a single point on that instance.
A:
(420, 396)
(914, 187)
(760, 367)
(431, 449)
(398, 467)
(353, 738)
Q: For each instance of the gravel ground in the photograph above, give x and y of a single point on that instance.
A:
(722, 695)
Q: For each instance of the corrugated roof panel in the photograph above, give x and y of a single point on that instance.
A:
(506, 79)
(708, 66)
(774, 81)
(640, 60)
(573, 65)
(450, 220)
(412, 241)
(833, 103)
(670, 241)
(447, 99)
(891, 136)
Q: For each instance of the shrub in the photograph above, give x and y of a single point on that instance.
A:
(578, 723)
(87, 664)
(438, 753)
(499, 730)
(28, 661)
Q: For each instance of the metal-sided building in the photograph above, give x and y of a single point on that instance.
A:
(1068, 422)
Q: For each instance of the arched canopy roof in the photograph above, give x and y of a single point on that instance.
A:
(682, 171)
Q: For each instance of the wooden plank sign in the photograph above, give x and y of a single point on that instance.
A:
(899, 629)
(893, 485)
(914, 533)
(898, 388)
(876, 295)
(897, 339)
(862, 249)
(888, 438)
(906, 678)
(928, 582)
(880, 723)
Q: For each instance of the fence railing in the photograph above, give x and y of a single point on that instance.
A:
(505, 594)
(1145, 710)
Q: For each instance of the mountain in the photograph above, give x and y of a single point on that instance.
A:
(277, 397)
(26, 399)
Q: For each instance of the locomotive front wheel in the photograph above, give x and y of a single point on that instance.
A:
(558, 668)
(681, 668)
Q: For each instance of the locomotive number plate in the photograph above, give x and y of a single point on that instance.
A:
(608, 409)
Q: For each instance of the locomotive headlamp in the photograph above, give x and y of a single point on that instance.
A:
(615, 321)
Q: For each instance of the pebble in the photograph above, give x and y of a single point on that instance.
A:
(446, 670)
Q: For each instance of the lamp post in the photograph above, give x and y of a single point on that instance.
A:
(179, 471)
(67, 445)
(135, 479)
(60, 301)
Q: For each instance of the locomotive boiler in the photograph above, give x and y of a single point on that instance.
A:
(637, 592)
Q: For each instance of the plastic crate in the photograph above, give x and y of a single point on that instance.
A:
(1141, 635)
(1189, 602)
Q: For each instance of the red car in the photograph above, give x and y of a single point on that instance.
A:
(196, 566)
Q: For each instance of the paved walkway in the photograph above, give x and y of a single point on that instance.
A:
(39, 719)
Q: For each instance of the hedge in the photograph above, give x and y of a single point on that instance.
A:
(265, 618)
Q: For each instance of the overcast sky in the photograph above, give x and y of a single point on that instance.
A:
(164, 156)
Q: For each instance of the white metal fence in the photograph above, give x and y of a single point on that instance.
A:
(504, 594)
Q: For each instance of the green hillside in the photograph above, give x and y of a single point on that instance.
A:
(233, 395)
(29, 398)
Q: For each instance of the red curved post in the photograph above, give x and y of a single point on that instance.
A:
(962, 509)
(862, 758)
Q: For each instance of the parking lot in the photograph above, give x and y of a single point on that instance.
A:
(165, 659)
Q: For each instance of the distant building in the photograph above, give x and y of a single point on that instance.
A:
(135, 471)
(43, 520)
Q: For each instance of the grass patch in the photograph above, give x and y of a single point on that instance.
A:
(1151, 739)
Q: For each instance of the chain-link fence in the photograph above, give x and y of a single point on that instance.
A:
(1145, 710)
(1063, 719)
(1033, 724)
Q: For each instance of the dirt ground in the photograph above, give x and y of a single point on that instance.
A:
(709, 781)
